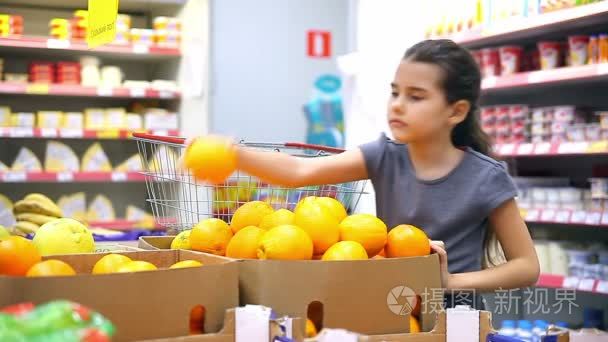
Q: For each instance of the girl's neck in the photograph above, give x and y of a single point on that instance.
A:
(434, 159)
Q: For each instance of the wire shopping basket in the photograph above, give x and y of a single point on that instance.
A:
(178, 201)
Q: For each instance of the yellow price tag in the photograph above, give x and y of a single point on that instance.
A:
(102, 22)
(37, 88)
(598, 147)
(108, 134)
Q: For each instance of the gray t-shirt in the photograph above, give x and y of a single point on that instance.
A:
(453, 209)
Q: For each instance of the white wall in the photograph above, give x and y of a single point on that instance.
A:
(261, 76)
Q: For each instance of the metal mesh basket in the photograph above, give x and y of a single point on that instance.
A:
(179, 201)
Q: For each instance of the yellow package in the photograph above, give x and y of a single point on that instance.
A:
(133, 164)
(116, 118)
(5, 116)
(74, 206)
(26, 161)
(95, 159)
(50, 119)
(101, 209)
(73, 120)
(60, 158)
(94, 118)
(23, 120)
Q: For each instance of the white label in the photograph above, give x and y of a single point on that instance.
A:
(562, 216)
(532, 215)
(593, 218)
(570, 282)
(337, 335)
(542, 148)
(488, 82)
(525, 149)
(105, 91)
(602, 286)
(535, 77)
(65, 177)
(163, 94)
(57, 43)
(137, 92)
(605, 218)
(4, 132)
(579, 216)
(119, 176)
(602, 69)
(586, 284)
(21, 132)
(11, 177)
(48, 132)
(140, 48)
(71, 133)
(507, 149)
(572, 147)
(548, 215)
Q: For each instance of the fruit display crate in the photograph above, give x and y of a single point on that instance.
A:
(41, 89)
(70, 177)
(580, 284)
(38, 43)
(52, 133)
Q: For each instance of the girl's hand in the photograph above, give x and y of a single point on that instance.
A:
(439, 248)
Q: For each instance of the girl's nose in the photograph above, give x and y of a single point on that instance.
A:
(397, 106)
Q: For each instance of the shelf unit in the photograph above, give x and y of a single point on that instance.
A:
(138, 62)
(594, 286)
(537, 150)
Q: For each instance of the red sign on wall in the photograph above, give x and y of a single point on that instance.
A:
(319, 44)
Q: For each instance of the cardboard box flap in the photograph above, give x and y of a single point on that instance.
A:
(143, 304)
(155, 242)
(354, 294)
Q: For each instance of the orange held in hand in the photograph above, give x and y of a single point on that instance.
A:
(407, 241)
(17, 255)
(210, 159)
(50, 268)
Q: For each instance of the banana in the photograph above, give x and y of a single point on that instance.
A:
(36, 197)
(37, 207)
(26, 227)
(35, 218)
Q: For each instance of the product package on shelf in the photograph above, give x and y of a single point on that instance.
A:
(74, 206)
(60, 158)
(73, 120)
(10, 24)
(5, 116)
(23, 120)
(26, 161)
(133, 164)
(50, 119)
(101, 209)
(95, 159)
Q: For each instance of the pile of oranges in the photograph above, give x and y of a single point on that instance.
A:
(318, 228)
(19, 257)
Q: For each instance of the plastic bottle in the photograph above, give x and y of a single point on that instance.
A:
(524, 330)
(539, 330)
(562, 324)
(507, 328)
(592, 53)
(603, 48)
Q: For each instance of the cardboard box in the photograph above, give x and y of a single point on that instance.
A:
(354, 294)
(228, 332)
(141, 305)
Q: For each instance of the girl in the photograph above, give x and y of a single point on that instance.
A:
(436, 174)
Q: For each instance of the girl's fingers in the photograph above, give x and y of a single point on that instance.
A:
(437, 247)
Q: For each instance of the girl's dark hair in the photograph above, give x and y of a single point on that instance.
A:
(461, 81)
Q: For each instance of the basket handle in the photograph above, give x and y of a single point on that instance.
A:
(176, 140)
(315, 147)
(161, 138)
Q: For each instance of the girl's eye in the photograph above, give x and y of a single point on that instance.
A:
(415, 97)
(394, 94)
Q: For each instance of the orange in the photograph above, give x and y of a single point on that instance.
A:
(366, 229)
(383, 250)
(110, 263)
(278, 218)
(250, 214)
(136, 266)
(407, 241)
(17, 255)
(211, 236)
(186, 264)
(319, 221)
(49, 268)
(414, 325)
(285, 242)
(210, 159)
(244, 243)
(336, 208)
(311, 330)
(182, 240)
(345, 250)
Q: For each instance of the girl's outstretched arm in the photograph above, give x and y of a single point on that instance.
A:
(286, 170)
(521, 269)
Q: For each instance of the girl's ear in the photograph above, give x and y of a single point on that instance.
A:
(460, 109)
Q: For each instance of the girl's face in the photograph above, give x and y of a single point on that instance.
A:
(417, 109)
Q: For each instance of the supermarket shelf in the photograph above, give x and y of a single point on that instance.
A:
(52, 133)
(43, 44)
(545, 77)
(120, 225)
(125, 5)
(71, 177)
(548, 23)
(581, 284)
(577, 218)
(526, 150)
(80, 91)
